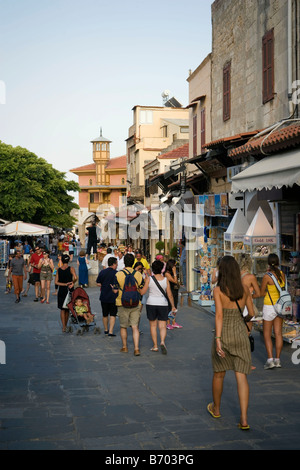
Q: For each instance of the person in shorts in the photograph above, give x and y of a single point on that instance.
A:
(129, 317)
(106, 280)
(157, 304)
(34, 261)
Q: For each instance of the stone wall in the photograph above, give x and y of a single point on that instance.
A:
(238, 28)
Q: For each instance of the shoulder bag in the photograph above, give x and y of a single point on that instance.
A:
(251, 339)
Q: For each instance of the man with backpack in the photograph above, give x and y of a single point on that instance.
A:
(128, 302)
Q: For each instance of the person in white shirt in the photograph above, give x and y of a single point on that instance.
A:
(120, 258)
(106, 258)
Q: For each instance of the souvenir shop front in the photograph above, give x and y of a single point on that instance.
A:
(281, 189)
(208, 245)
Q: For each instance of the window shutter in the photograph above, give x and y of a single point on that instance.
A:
(226, 92)
(268, 66)
(202, 129)
(195, 135)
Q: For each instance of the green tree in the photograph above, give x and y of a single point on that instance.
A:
(32, 190)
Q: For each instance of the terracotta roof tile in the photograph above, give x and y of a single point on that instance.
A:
(180, 152)
(91, 167)
(230, 140)
(118, 162)
(272, 142)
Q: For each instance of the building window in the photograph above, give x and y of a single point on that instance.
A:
(195, 135)
(146, 116)
(123, 180)
(94, 198)
(202, 129)
(226, 92)
(268, 66)
(103, 147)
(123, 196)
(165, 131)
(91, 182)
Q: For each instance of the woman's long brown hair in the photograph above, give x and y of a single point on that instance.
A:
(229, 279)
(273, 262)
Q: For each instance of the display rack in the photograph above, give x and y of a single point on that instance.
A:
(290, 265)
(211, 247)
(4, 246)
(234, 235)
(290, 330)
(259, 241)
(202, 271)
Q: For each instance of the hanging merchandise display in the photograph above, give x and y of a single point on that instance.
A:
(290, 265)
(234, 235)
(210, 247)
(259, 241)
(4, 247)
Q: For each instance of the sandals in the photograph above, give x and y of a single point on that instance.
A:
(244, 428)
(154, 349)
(163, 349)
(211, 412)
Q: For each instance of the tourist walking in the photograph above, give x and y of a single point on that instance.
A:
(271, 321)
(83, 272)
(107, 281)
(34, 261)
(18, 272)
(157, 304)
(46, 267)
(231, 346)
(129, 316)
(65, 279)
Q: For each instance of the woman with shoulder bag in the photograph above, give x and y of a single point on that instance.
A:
(65, 279)
(157, 304)
(270, 318)
(231, 346)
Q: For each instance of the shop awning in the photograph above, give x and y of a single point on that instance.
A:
(273, 171)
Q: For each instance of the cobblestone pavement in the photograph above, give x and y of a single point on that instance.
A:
(63, 391)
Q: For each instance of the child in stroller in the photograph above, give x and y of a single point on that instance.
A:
(81, 316)
(82, 311)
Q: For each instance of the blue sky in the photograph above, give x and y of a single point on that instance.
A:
(70, 67)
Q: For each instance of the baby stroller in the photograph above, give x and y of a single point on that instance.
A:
(78, 322)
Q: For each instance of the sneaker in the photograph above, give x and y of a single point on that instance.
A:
(269, 365)
(277, 363)
(169, 327)
(175, 325)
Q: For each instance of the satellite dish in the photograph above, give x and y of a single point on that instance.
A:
(165, 93)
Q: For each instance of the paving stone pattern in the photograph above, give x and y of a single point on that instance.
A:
(62, 391)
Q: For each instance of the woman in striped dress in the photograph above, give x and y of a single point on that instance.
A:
(231, 346)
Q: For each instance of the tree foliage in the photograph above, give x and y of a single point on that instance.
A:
(32, 190)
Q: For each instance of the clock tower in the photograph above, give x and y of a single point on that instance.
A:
(101, 157)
